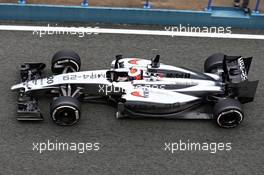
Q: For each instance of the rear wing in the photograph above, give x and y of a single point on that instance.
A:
(236, 69)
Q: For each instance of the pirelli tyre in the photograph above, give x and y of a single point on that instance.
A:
(65, 59)
(228, 113)
(65, 110)
(214, 62)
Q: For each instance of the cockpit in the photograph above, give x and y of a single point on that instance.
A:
(130, 74)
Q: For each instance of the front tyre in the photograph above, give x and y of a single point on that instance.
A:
(228, 113)
(65, 110)
(65, 61)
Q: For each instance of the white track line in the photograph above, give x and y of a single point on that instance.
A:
(127, 31)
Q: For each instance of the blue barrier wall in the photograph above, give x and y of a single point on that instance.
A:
(216, 16)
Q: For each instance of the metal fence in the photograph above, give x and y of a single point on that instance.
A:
(256, 9)
(147, 4)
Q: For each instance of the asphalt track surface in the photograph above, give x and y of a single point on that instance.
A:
(127, 146)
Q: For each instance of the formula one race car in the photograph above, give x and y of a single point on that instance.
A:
(139, 88)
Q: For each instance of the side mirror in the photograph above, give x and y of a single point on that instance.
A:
(155, 62)
(118, 57)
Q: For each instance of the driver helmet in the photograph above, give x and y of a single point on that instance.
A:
(135, 74)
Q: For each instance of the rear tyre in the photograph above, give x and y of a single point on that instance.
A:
(228, 113)
(214, 62)
(65, 110)
(65, 58)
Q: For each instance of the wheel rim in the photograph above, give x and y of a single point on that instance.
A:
(65, 115)
(229, 119)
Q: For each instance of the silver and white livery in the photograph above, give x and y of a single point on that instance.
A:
(139, 88)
